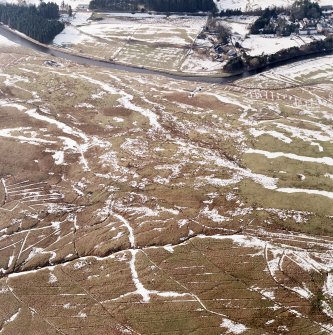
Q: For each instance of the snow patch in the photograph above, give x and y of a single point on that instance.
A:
(233, 327)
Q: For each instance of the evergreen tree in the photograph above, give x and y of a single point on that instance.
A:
(191, 6)
(305, 9)
(35, 22)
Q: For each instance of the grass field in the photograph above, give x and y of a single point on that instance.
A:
(137, 204)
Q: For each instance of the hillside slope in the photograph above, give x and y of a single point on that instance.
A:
(137, 204)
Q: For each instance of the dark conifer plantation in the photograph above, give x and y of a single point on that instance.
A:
(38, 23)
(190, 6)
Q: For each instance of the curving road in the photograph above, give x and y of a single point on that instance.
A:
(80, 59)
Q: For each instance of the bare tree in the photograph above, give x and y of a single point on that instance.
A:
(223, 33)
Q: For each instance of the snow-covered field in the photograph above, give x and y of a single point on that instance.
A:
(154, 41)
(71, 36)
(257, 44)
(153, 29)
(238, 29)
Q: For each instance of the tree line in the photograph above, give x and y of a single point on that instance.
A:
(39, 23)
(190, 6)
(246, 62)
(269, 22)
